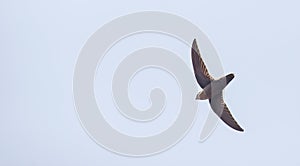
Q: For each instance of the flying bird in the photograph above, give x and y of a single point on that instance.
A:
(212, 88)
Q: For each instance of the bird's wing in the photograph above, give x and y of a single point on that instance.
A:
(200, 70)
(221, 109)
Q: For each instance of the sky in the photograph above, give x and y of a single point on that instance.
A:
(41, 41)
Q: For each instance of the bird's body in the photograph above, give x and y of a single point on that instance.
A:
(212, 89)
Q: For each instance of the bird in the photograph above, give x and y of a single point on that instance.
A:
(212, 89)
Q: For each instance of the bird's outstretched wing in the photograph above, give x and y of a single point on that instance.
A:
(221, 109)
(200, 70)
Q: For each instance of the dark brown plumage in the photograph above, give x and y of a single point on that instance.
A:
(212, 89)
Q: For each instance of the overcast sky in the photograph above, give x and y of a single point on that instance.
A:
(256, 40)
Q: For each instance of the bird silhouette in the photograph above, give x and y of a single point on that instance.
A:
(212, 88)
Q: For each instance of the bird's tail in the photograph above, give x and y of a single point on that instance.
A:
(229, 77)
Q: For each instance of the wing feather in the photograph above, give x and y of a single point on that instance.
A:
(221, 109)
(201, 73)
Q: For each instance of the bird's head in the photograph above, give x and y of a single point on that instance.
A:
(201, 96)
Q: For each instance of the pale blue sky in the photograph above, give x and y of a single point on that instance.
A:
(257, 40)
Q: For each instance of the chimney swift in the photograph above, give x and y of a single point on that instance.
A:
(212, 89)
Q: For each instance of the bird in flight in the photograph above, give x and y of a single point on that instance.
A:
(212, 89)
